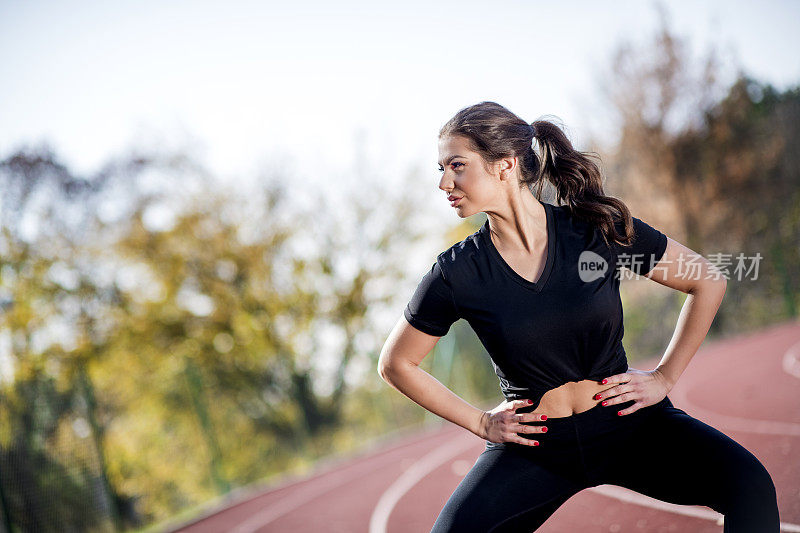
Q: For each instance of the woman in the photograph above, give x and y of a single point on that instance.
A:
(539, 284)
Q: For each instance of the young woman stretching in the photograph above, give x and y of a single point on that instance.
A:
(539, 284)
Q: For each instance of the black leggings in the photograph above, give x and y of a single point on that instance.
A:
(659, 451)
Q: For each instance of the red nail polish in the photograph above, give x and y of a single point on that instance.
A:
(544, 430)
(544, 417)
(530, 402)
(605, 403)
(619, 413)
(535, 443)
(604, 382)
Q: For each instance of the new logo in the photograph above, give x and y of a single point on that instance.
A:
(591, 266)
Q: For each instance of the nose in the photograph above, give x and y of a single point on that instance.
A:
(446, 184)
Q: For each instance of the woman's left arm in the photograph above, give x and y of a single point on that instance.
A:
(687, 271)
(682, 269)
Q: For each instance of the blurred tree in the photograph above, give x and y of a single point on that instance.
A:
(716, 167)
(196, 324)
(42, 228)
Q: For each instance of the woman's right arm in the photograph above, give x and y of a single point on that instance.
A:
(398, 366)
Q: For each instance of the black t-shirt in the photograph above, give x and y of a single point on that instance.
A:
(567, 326)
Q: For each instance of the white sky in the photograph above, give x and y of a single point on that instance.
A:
(253, 80)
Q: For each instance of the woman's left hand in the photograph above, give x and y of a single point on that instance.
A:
(646, 388)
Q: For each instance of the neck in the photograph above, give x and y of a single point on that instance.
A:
(521, 224)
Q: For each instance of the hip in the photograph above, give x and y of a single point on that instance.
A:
(598, 422)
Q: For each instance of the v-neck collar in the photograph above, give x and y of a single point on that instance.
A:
(551, 247)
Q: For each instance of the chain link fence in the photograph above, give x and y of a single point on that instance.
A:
(52, 476)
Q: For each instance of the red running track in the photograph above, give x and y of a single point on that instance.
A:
(746, 386)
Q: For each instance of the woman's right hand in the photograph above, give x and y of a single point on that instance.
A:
(502, 423)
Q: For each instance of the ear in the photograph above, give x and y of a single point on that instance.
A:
(506, 167)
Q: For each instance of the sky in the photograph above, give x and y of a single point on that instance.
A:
(249, 83)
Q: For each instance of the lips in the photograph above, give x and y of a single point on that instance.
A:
(454, 200)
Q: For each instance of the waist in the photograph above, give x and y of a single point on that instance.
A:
(566, 400)
(595, 423)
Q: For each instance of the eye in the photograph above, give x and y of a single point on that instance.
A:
(454, 165)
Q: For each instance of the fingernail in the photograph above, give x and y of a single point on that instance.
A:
(535, 443)
(619, 413)
(544, 417)
(605, 403)
(597, 396)
(530, 402)
(604, 382)
(544, 430)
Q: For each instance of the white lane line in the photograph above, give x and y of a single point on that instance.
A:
(413, 475)
(791, 360)
(736, 423)
(790, 364)
(296, 499)
(419, 470)
(325, 483)
(380, 446)
(628, 496)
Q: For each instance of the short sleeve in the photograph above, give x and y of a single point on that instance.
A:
(644, 252)
(432, 308)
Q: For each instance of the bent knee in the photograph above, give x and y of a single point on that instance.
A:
(762, 481)
(752, 481)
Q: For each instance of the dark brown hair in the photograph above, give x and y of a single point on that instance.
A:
(494, 132)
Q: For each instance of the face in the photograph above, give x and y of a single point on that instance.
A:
(465, 179)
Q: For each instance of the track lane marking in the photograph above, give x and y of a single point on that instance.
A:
(791, 360)
(790, 364)
(629, 496)
(315, 488)
(379, 520)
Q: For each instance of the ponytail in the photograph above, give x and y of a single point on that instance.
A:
(495, 132)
